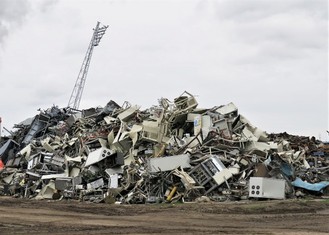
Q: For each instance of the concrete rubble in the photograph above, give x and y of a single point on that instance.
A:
(171, 152)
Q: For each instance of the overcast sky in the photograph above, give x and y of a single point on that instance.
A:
(269, 57)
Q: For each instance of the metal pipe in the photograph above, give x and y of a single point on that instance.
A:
(171, 194)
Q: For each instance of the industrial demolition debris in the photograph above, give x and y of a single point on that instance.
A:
(170, 152)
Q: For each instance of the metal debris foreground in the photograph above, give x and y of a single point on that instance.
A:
(170, 152)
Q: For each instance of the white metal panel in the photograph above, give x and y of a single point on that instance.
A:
(260, 187)
(229, 108)
(98, 155)
(221, 176)
(96, 184)
(169, 163)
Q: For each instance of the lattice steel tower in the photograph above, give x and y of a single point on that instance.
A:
(76, 95)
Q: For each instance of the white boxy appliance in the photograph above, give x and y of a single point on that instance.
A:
(260, 187)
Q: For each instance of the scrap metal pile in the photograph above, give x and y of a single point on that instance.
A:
(170, 152)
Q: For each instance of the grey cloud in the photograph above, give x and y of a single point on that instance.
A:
(269, 31)
(47, 4)
(12, 14)
(251, 10)
(279, 33)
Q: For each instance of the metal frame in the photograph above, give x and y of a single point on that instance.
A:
(76, 95)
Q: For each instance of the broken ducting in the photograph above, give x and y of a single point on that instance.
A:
(173, 151)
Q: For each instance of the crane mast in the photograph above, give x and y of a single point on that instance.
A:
(76, 95)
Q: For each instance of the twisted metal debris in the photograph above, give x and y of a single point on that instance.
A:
(170, 152)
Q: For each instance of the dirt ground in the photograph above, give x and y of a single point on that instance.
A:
(22, 216)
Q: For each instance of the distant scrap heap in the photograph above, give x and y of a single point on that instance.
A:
(170, 152)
